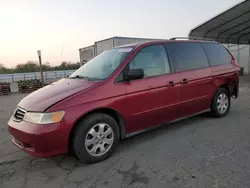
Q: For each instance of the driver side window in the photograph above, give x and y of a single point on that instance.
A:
(153, 60)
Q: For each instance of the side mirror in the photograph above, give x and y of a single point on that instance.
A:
(134, 74)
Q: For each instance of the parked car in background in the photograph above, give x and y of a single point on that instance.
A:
(122, 92)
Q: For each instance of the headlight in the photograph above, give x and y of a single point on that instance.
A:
(43, 118)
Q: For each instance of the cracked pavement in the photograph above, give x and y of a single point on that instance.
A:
(197, 152)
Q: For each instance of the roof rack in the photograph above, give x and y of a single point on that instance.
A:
(192, 38)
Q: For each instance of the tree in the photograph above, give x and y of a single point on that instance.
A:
(4, 70)
(33, 66)
(68, 66)
(30, 66)
(47, 67)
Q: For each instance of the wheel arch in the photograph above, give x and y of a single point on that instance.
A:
(213, 106)
(218, 85)
(229, 84)
(111, 112)
(226, 86)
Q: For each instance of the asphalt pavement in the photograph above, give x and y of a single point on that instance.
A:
(197, 152)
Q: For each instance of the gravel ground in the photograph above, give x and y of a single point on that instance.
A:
(197, 152)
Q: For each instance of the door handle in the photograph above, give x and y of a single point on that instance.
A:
(171, 83)
(184, 81)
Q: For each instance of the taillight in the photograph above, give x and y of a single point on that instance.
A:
(233, 61)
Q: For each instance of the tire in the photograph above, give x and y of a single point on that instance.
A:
(220, 97)
(88, 145)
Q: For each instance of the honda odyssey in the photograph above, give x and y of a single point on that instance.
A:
(122, 92)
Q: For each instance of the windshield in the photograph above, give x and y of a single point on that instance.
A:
(103, 65)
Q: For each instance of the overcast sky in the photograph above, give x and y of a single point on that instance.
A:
(29, 25)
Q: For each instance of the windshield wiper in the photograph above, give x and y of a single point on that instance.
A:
(85, 77)
(79, 77)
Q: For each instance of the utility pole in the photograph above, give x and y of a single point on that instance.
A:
(41, 67)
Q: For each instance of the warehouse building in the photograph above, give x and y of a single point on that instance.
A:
(89, 52)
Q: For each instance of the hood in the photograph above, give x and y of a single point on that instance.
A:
(45, 97)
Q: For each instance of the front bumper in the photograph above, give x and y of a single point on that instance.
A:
(39, 140)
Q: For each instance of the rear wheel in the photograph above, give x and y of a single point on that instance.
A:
(95, 138)
(221, 103)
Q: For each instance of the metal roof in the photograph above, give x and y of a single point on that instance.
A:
(87, 47)
(118, 37)
(231, 26)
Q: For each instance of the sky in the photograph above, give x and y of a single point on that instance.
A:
(60, 27)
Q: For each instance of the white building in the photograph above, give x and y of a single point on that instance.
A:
(89, 52)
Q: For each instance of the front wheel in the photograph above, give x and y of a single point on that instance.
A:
(221, 103)
(95, 138)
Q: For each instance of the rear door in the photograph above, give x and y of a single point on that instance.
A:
(192, 67)
(151, 100)
(223, 65)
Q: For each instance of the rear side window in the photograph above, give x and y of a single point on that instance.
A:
(217, 54)
(187, 56)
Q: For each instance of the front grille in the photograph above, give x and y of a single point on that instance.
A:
(19, 114)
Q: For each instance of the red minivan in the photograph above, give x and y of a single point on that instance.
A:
(122, 92)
